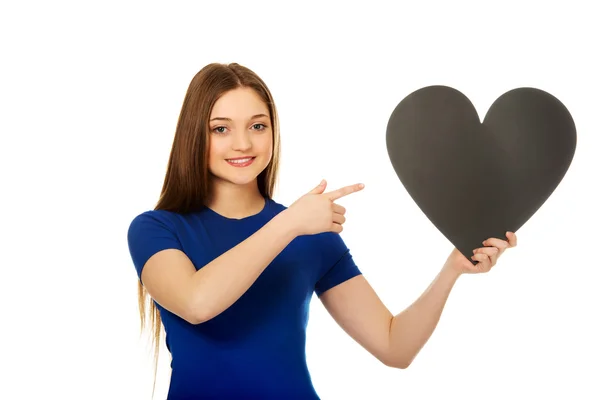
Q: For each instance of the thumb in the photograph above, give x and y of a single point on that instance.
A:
(320, 188)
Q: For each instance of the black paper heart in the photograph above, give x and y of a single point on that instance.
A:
(478, 180)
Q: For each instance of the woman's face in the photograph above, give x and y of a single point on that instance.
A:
(241, 137)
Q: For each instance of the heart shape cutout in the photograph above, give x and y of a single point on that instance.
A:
(475, 180)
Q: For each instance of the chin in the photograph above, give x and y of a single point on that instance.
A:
(241, 181)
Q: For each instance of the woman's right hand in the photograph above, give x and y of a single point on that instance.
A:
(316, 212)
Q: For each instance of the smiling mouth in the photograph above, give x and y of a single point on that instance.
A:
(240, 162)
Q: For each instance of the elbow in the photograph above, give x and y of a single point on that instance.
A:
(197, 312)
(401, 365)
(194, 319)
(397, 363)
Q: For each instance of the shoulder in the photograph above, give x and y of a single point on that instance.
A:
(150, 232)
(151, 218)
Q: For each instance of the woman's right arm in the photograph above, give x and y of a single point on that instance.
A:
(197, 296)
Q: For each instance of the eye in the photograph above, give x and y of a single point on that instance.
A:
(259, 127)
(219, 129)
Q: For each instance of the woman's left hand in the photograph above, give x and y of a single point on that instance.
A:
(486, 256)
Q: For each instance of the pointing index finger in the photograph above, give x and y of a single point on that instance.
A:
(341, 192)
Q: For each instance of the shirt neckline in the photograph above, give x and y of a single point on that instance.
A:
(247, 218)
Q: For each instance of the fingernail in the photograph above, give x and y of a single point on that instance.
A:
(361, 185)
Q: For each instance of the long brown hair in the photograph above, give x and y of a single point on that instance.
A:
(186, 184)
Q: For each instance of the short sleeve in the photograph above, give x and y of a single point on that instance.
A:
(340, 266)
(148, 234)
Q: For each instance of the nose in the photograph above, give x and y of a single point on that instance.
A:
(241, 141)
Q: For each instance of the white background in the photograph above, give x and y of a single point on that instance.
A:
(90, 94)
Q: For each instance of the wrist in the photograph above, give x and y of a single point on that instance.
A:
(452, 270)
(286, 225)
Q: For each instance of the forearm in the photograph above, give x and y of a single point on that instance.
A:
(223, 281)
(412, 328)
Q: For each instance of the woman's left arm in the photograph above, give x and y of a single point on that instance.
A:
(396, 340)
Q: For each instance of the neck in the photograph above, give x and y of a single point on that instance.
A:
(235, 201)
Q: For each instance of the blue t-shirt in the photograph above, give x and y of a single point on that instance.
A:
(256, 348)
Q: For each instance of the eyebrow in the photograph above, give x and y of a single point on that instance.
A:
(229, 119)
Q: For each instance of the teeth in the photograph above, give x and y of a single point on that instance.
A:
(240, 161)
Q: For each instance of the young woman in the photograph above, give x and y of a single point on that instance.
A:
(231, 272)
